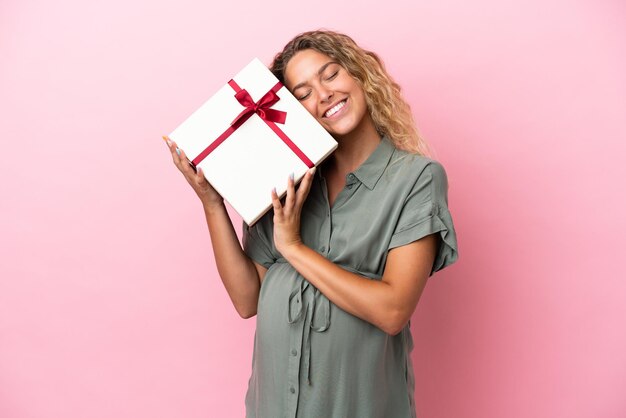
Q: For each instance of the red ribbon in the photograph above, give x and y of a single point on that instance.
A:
(262, 108)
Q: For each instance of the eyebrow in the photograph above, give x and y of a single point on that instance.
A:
(319, 72)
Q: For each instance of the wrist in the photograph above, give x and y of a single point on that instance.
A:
(212, 207)
(292, 249)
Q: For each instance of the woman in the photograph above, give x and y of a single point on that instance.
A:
(346, 255)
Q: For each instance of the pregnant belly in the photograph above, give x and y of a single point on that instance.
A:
(348, 339)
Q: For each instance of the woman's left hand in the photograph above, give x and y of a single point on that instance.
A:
(287, 217)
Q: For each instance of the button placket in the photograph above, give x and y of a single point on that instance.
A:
(296, 299)
(301, 311)
(325, 232)
(350, 181)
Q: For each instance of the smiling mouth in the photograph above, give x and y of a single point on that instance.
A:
(335, 109)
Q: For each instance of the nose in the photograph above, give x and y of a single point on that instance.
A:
(325, 94)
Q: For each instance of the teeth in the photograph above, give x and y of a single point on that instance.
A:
(334, 109)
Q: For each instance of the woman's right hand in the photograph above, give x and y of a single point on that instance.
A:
(207, 194)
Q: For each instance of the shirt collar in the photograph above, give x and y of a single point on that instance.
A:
(373, 167)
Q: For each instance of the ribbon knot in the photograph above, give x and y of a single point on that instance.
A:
(261, 108)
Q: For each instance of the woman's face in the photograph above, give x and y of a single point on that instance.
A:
(327, 91)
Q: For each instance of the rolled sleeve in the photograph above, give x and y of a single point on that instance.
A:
(256, 245)
(426, 212)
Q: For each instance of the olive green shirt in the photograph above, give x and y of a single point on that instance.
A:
(312, 359)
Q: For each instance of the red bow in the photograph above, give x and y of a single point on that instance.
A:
(261, 108)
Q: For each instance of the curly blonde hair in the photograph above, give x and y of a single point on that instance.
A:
(390, 112)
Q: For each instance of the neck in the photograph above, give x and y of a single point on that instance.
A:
(354, 147)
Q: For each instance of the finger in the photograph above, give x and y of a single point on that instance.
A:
(200, 175)
(305, 186)
(290, 200)
(185, 163)
(278, 209)
(182, 159)
(170, 144)
(175, 155)
(185, 159)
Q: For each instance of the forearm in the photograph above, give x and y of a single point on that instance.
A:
(235, 268)
(371, 300)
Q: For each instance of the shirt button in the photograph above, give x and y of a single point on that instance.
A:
(294, 352)
(322, 249)
(349, 186)
(292, 390)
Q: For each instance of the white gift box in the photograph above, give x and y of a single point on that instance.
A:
(258, 154)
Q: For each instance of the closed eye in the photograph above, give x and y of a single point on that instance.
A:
(305, 96)
(328, 79)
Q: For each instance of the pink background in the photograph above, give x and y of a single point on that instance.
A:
(110, 303)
